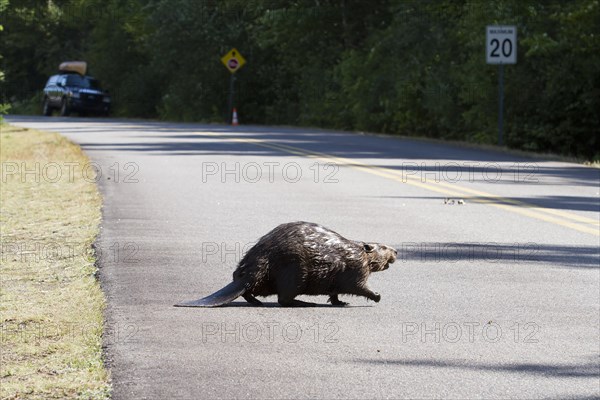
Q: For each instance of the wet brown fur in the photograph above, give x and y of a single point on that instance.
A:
(305, 258)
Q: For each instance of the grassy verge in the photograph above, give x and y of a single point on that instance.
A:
(51, 304)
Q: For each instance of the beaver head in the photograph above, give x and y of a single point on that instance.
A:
(379, 256)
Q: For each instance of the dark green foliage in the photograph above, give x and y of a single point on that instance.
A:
(4, 107)
(402, 67)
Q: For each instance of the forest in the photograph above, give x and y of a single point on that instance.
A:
(412, 68)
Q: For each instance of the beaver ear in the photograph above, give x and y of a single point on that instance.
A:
(368, 247)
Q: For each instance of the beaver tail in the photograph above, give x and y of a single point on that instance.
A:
(226, 295)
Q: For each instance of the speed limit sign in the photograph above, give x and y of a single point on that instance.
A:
(501, 44)
(500, 49)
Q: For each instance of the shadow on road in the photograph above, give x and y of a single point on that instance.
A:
(272, 304)
(481, 165)
(590, 369)
(486, 253)
(577, 203)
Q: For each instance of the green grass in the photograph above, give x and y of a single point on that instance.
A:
(51, 304)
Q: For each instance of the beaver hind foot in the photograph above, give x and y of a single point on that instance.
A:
(252, 300)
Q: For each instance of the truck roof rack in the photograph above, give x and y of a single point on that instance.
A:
(78, 67)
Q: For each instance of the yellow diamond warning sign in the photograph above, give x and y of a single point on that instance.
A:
(233, 60)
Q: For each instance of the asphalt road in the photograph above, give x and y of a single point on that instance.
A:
(495, 298)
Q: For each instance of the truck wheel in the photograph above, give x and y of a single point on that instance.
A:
(64, 108)
(46, 109)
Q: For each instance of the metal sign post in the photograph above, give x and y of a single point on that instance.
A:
(500, 105)
(501, 48)
(233, 61)
(230, 101)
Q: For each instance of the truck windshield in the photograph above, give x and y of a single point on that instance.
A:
(83, 82)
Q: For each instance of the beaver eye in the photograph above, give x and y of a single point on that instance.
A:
(368, 248)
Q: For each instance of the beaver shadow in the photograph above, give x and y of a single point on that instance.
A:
(274, 304)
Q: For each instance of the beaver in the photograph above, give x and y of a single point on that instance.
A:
(303, 258)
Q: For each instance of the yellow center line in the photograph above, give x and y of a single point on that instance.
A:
(453, 187)
(557, 217)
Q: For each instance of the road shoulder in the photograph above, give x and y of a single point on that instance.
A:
(52, 305)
